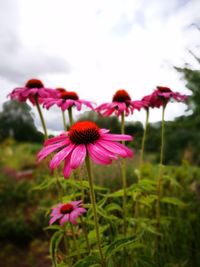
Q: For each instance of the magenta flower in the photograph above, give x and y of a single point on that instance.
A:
(161, 96)
(84, 138)
(65, 100)
(121, 102)
(68, 212)
(33, 88)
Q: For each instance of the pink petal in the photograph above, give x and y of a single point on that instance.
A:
(99, 159)
(67, 168)
(55, 218)
(60, 156)
(56, 139)
(78, 105)
(122, 106)
(116, 137)
(64, 219)
(87, 103)
(81, 210)
(113, 147)
(108, 112)
(103, 131)
(78, 156)
(49, 149)
(129, 152)
(104, 151)
(73, 217)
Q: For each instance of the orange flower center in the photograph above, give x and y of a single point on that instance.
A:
(34, 83)
(66, 208)
(69, 95)
(84, 132)
(121, 96)
(60, 90)
(163, 89)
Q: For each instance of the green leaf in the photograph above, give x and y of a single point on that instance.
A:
(113, 207)
(89, 261)
(55, 240)
(92, 234)
(173, 201)
(120, 244)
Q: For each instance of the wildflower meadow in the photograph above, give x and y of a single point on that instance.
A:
(94, 199)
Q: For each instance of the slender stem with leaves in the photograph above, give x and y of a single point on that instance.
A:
(94, 208)
(160, 177)
(41, 117)
(124, 182)
(143, 141)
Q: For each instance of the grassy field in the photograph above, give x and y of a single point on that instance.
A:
(28, 191)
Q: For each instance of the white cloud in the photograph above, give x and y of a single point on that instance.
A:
(107, 44)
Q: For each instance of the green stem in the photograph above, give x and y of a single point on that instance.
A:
(160, 176)
(64, 121)
(85, 234)
(79, 176)
(74, 239)
(124, 182)
(137, 206)
(41, 117)
(71, 121)
(143, 140)
(93, 201)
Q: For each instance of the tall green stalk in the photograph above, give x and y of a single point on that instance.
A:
(124, 182)
(41, 118)
(93, 201)
(64, 121)
(137, 206)
(143, 141)
(160, 177)
(71, 121)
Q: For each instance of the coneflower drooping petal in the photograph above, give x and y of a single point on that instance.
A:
(65, 100)
(33, 88)
(121, 102)
(84, 138)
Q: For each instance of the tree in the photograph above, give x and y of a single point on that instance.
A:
(16, 121)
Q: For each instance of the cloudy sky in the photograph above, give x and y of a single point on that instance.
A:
(95, 47)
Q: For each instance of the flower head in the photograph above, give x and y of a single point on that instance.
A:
(32, 89)
(161, 96)
(65, 100)
(67, 212)
(84, 138)
(121, 102)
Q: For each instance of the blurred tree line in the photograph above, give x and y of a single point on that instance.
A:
(16, 121)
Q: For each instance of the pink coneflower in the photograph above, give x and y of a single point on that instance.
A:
(32, 89)
(84, 138)
(161, 96)
(121, 103)
(66, 100)
(68, 212)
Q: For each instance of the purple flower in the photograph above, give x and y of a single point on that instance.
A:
(121, 103)
(84, 138)
(65, 100)
(32, 89)
(68, 212)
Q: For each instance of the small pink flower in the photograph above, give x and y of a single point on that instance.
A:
(65, 100)
(161, 96)
(84, 138)
(33, 88)
(121, 102)
(68, 212)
